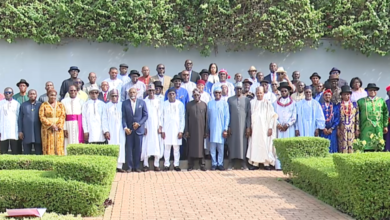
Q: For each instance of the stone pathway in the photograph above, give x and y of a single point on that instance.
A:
(212, 195)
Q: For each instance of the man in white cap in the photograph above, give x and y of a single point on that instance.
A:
(112, 126)
(93, 118)
(152, 143)
(239, 127)
(252, 74)
(218, 120)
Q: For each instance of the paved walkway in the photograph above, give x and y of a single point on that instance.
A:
(212, 195)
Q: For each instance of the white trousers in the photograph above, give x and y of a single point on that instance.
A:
(176, 155)
(156, 162)
(119, 166)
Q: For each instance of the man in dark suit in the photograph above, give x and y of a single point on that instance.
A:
(273, 76)
(104, 95)
(29, 124)
(341, 83)
(73, 72)
(134, 116)
(194, 76)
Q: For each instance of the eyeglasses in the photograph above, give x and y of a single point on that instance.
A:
(78, 82)
(7, 93)
(93, 92)
(274, 84)
(161, 68)
(217, 92)
(114, 95)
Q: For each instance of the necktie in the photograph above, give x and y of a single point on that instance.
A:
(274, 77)
(105, 96)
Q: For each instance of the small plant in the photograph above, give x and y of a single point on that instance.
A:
(359, 145)
(377, 143)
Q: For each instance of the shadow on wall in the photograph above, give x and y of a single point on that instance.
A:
(40, 63)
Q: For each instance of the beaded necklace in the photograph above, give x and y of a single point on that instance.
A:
(284, 105)
(329, 116)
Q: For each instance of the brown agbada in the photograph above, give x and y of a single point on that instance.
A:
(195, 124)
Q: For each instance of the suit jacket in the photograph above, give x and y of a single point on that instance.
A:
(140, 116)
(167, 82)
(101, 97)
(29, 123)
(269, 79)
(194, 76)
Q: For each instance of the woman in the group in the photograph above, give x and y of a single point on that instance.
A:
(52, 116)
(357, 91)
(213, 70)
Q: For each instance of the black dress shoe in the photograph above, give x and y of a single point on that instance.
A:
(202, 168)
(221, 168)
(177, 168)
(120, 170)
(190, 169)
(166, 168)
(253, 168)
(146, 169)
(138, 170)
(157, 169)
(267, 168)
(129, 170)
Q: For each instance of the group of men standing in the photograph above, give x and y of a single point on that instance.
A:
(195, 114)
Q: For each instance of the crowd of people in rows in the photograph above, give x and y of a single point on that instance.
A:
(194, 115)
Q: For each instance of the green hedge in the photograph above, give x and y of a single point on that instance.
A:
(93, 149)
(46, 216)
(32, 188)
(86, 168)
(296, 147)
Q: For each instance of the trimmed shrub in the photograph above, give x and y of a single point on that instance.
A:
(32, 188)
(46, 216)
(296, 147)
(93, 149)
(364, 184)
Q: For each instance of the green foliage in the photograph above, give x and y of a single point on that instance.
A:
(359, 145)
(46, 216)
(32, 188)
(298, 147)
(93, 149)
(377, 143)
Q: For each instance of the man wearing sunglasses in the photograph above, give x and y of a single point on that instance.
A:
(165, 80)
(92, 115)
(9, 114)
(78, 83)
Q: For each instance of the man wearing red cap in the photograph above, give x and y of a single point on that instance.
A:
(387, 138)
(223, 75)
(331, 113)
(204, 96)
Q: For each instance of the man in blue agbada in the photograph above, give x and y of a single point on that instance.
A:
(310, 118)
(181, 93)
(332, 118)
(217, 119)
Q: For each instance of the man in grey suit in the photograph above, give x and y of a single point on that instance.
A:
(194, 76)
(29, 124)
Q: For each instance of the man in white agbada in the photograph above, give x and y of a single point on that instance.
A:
(93, 119)
(73, 128)
(268, 95)
(152, 144)
(9, 114)
(112, 127)
(310, 117)
(260, 147)
(173, 122)
(113, 81)
(286, 109)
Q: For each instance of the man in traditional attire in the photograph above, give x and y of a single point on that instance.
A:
(259, 77)
(113, 81)
(112, 126)
(187, 84)
(315, 80)
(9, 114)
(29, 124)
(237, 77)
(152, 144)
(263, 129)
(145, 78)
(104, 95)
(252, 74)
(348, 128)
(204, 75)
(92, 119)
(181, 93)
(80, 93)
(73, 72)
(166, 81)
(332, 117)
(285, 108)
(246, 89)
(48, 86)
(134, 116)
(134, 83)
(22, 95)
(218, 121)
(73, 127)
(123, 73)
(158, 90)
(274, 89)
(310, 118)
(299, 95)
(373, 116)
(204, 96)
(173, 122)
(336, 97)
(268, 95)
(195, 130)
(239, 127)
(387, 136)
(223, 74)
(92, 83)
(225, 92)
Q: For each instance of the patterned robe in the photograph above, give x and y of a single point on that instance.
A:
(331, 114)
(52, 141)
(348, 125)
(387, 136)
(373, 118)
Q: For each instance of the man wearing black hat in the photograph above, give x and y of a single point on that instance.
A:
(181, 93)
(267, 95)
(22, 95)
(373, 116)
(246, 89)
(315, 80)
(134, 83)
(165, 80)
(341, 83)
(158, 92)
(74, 73)
(123, 73)
(204, 75)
